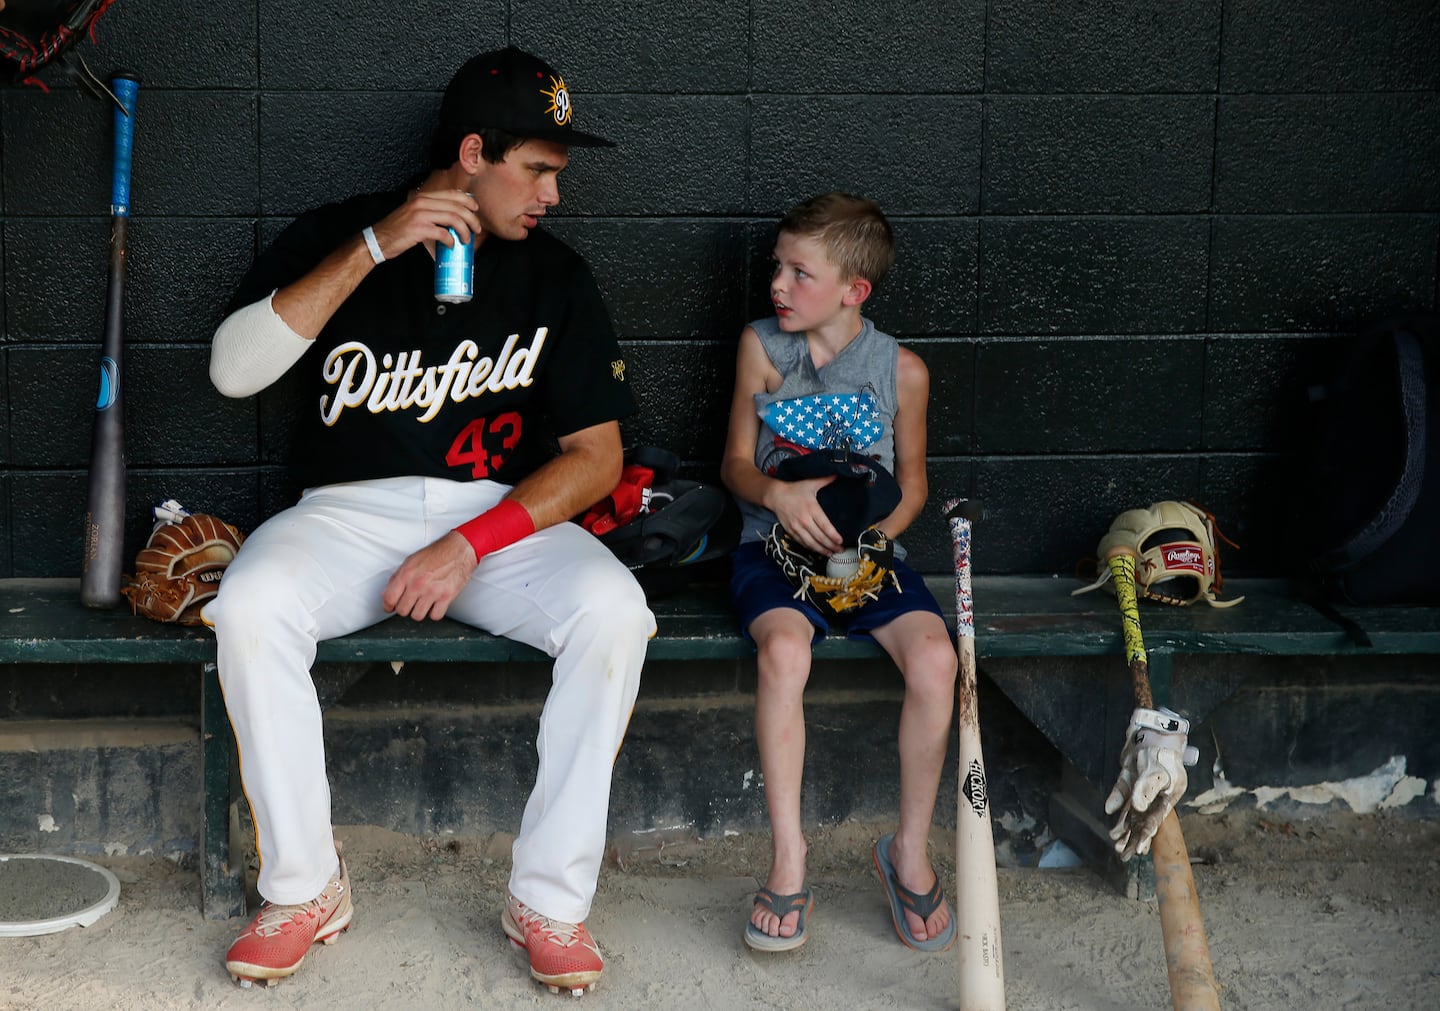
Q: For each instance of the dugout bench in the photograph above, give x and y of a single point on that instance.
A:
(42, 621)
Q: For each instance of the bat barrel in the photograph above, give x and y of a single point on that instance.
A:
(1187, 952)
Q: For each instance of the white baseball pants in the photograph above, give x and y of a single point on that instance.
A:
(317, 571)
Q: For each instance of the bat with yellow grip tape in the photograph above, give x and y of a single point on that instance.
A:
(1187, 953)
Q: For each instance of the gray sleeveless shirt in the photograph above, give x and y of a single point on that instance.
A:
(863, 372)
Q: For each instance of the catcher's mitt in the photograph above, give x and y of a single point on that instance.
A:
(34, 33)
(835, 595)
(1176, 558)
(179, 569)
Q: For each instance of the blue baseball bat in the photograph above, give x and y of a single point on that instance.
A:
(105, 507)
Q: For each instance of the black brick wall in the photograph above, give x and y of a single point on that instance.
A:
(1125, 227)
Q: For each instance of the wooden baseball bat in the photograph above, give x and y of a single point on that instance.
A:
(1187, 953)
(977, 909)
(105, 506)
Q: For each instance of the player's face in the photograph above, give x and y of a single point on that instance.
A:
(806, 287)
(515, 194)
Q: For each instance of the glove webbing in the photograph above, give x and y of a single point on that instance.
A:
(860, 587)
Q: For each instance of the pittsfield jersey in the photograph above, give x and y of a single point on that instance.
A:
(400, 384)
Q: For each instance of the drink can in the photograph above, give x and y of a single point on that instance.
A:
(455, 270)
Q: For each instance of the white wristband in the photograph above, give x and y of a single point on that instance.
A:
(375, 253)
(1163, 720)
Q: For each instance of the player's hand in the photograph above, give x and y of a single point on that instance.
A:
(426, 582)
(795, 504)
(427, 217)
(1152, 778)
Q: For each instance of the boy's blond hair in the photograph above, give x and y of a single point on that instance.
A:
(852, 230)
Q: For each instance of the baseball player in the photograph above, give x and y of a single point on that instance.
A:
(425, 441)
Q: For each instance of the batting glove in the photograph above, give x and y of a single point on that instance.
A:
(1152, 777)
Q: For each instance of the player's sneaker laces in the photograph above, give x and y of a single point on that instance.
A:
(277, 940)
(562, 955)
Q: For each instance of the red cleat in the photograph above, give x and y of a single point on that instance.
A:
(279, 937)
(563, 956)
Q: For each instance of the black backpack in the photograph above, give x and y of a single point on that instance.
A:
(669, 531)
(1374, 467)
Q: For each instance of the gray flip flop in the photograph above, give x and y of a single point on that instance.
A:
(902, 898)
(781, 905)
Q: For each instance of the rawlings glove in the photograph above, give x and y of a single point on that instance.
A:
(835, 595)
(34, 33)
(179, 569)
(1176, 560)
(1152, 778)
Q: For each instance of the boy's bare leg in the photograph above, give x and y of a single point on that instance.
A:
(921, 647)
(782, 640)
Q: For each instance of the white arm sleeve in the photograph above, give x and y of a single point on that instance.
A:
(252, 349)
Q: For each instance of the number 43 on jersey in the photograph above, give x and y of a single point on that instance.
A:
(484, 444)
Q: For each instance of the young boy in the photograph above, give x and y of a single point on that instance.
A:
(830, 253)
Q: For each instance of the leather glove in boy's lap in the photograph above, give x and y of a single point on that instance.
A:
(838, 595)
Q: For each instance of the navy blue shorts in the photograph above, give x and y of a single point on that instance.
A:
(757, 585)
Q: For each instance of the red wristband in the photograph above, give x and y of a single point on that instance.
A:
(497, 528)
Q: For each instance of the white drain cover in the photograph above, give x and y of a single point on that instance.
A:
(43, 894)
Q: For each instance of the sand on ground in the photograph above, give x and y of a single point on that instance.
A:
(1333, 911)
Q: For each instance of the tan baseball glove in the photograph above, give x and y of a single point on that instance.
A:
(1176, 558)
(179, 569)
(838, 585)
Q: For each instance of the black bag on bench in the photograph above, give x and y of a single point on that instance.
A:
(1374, 466)
(669, 531)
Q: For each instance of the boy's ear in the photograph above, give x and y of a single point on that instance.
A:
(858, 292)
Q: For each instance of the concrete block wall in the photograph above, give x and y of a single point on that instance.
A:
(1123, 227)
(1126, 229)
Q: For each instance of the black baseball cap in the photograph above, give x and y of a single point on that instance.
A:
(511, 90)
(863, 494)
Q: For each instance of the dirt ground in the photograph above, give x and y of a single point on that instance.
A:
(1335, 911)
